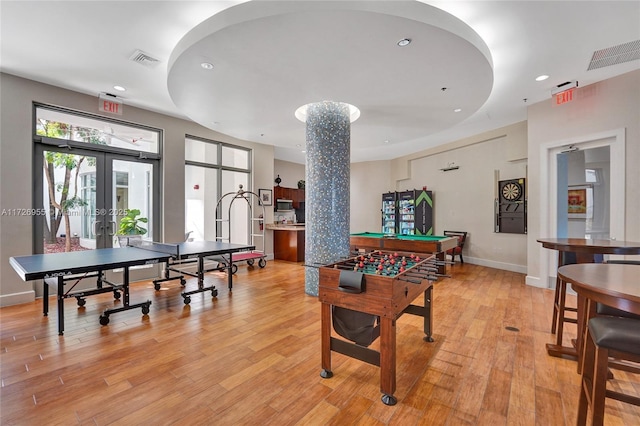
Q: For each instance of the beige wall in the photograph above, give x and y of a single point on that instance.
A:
(16, 172)
(464, 198)
(369, 180)
(289, 172)
(602, 107)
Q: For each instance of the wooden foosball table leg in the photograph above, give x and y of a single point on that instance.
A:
(325, 325)
(388, 360)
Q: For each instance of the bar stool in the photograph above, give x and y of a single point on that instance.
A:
(607, 336)
(560, 297)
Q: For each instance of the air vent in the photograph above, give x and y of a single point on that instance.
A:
(619, 54)
(143, 58)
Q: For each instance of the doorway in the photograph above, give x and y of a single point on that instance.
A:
(583, 193)
(85, 194)
(554, 200)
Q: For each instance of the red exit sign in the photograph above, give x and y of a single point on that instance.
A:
(564, 97)
(109, 104)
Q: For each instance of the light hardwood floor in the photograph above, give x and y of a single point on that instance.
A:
(253, 357)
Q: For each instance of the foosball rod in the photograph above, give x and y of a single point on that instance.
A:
(409, 280)
(378, 257)
(431, 277)
(382, 254)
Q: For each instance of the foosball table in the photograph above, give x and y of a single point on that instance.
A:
(362, 297)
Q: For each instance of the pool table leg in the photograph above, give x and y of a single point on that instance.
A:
(441, 257)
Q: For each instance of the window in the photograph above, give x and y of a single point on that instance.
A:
(59, 124)
(592, 175)
(213, 169)
(90, 176)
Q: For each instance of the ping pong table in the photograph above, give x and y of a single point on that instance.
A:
(197, 252)
(56, 269)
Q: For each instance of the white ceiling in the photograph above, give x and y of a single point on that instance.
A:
(272, 57)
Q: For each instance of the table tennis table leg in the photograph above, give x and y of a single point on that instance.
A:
(60, 306)
(230, 272)
(200, 272)
(45, 299)
(125, 286)
(104, 318)
(186, 295)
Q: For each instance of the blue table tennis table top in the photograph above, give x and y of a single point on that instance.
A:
(49, 265)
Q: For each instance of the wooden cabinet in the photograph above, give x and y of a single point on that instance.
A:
(298, 198)
(288, 245)
(282, 193)
(294, 194)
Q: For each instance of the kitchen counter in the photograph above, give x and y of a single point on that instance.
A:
(288, 241)
(285, 226)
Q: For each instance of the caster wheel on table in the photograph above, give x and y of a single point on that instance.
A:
(156, 286)
(214, 292)
(183, 282)
(234, 268)
(250, 262)
(428, 339)
(262, 263)
(81, 301)
(187, 300)
(104, 319)
(116, 295)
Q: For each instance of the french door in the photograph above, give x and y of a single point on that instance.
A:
(81, 195)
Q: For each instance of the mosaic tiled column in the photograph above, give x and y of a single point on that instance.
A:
(327, 187)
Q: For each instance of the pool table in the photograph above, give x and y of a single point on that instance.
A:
(435, 244)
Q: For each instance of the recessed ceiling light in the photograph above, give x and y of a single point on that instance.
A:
(404, 42)
(386, 141)
(457, 110)
(542, 77)
(119, 88)
(207, 65)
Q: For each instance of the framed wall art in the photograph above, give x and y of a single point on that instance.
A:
(266, 197)
(580, 202)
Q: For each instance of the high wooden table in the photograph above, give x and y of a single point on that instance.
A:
(585, 250)
(613, 285)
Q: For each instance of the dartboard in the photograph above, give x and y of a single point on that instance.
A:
(511, 191)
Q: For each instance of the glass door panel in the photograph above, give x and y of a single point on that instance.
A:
(69, 201)
(132, 199)
(130, 196)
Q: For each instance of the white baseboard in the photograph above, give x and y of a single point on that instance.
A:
(17, 298)
(534, 282)
(496, 265)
